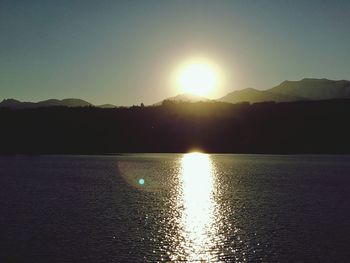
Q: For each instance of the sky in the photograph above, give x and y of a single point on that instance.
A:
(125, 52)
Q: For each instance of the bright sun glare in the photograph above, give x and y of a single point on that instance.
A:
(198, 77)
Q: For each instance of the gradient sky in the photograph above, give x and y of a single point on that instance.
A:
(124, 52)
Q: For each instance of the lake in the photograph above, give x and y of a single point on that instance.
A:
(175, 207)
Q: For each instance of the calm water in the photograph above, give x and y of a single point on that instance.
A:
(174, 207)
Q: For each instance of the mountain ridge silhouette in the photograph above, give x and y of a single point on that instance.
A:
(286, 91)
(69, 102)
(305, 89)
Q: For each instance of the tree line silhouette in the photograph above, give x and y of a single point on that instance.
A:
(268, 127)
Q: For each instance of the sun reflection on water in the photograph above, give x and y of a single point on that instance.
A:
(197, 201)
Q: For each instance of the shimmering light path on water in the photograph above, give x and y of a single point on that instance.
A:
(197, 199)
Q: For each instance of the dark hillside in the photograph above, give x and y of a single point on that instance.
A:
(290, 127)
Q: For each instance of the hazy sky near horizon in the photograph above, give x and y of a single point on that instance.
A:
(124, 52)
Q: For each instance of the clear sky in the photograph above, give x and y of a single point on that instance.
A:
(124, 52)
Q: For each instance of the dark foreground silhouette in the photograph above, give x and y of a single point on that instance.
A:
(284, 128)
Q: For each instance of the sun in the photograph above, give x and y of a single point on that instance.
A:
(198, 77)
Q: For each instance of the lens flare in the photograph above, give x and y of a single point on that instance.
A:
(141, 181)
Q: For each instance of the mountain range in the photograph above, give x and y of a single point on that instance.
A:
(305, 89)
(16, 104)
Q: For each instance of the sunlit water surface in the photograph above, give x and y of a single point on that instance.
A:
(175, 207)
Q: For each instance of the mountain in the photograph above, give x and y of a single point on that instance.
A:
(315, 89)
(184, 97)
(305, 89)
(16, 104)
(106, 106)
(12, 103)
(253, 95)
(65, 102)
